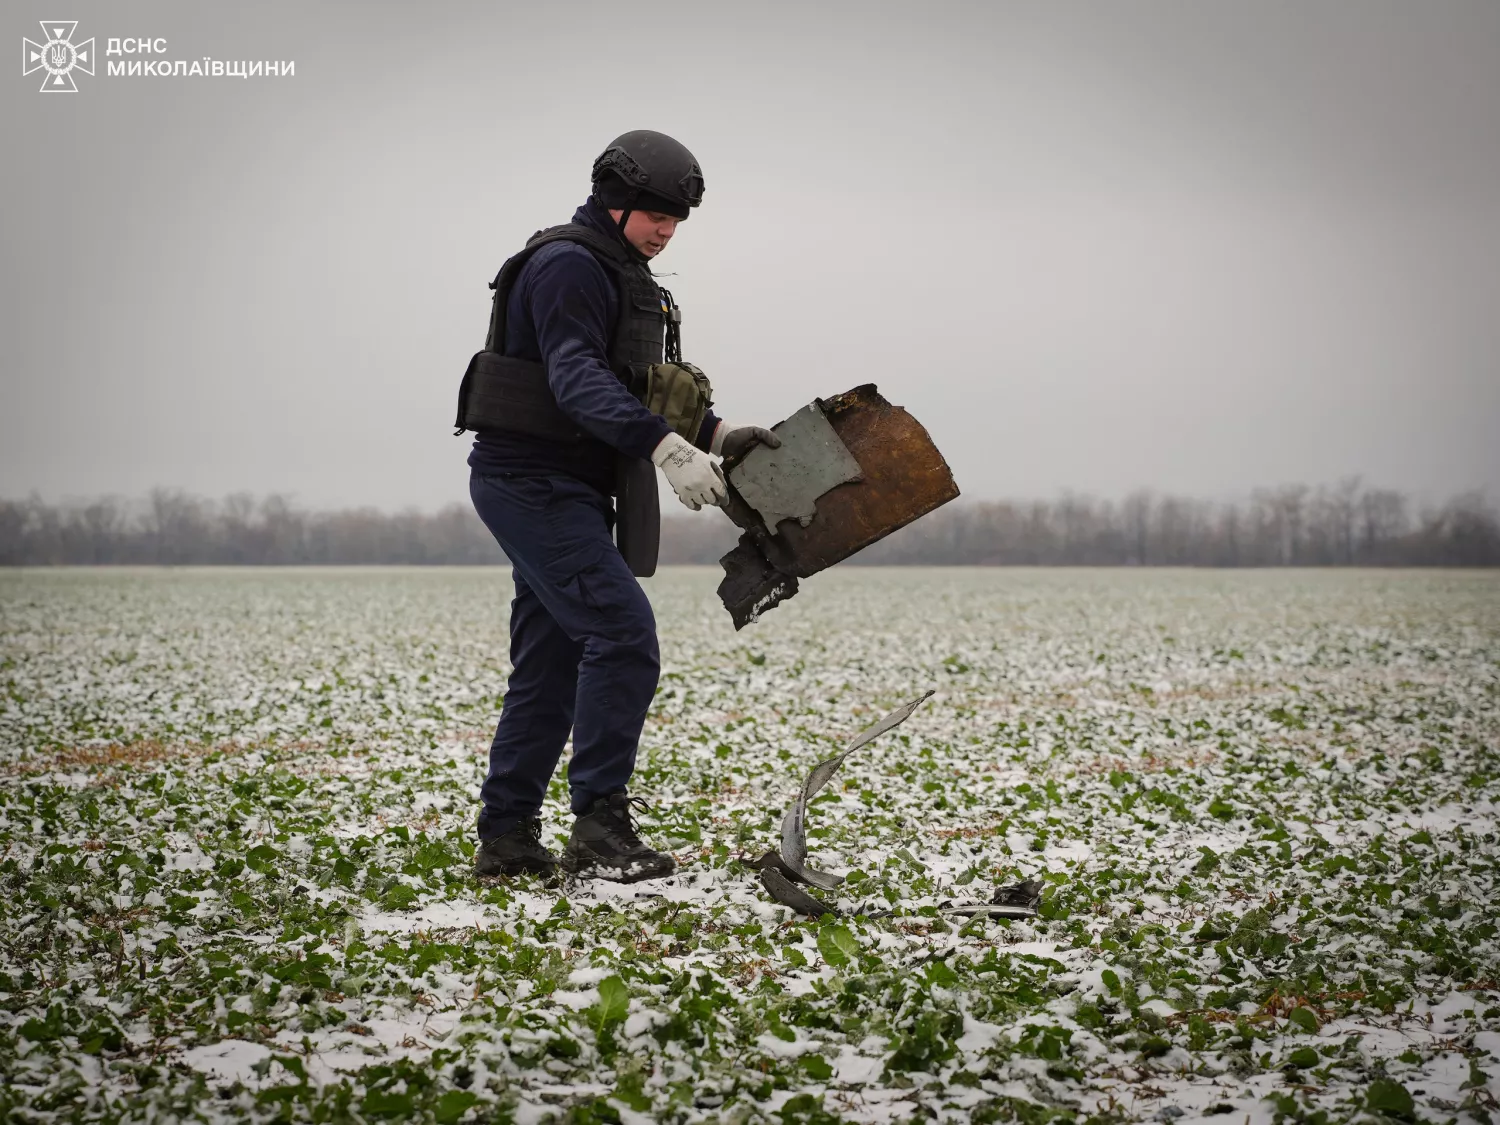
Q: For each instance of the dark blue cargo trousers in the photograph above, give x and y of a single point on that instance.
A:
(583, 647)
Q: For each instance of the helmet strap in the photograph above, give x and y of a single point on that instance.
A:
(625, 213)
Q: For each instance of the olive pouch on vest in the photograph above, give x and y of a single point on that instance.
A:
(679, 392)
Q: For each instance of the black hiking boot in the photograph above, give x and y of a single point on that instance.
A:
(604, 844)
(517, 852)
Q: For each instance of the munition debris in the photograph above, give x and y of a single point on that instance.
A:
(851, 469)
(781, 871)
(785, 483)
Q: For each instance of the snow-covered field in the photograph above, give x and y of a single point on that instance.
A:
(236, 821)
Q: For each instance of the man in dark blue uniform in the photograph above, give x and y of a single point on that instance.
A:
(579, 307)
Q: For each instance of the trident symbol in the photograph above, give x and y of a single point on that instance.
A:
(59, 56)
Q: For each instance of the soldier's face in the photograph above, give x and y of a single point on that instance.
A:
(648, 231)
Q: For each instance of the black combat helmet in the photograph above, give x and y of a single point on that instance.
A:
(647, 171)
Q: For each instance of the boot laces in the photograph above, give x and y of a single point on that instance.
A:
(622, 814)
(531, 829)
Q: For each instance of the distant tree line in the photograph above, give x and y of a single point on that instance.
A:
(1343, 525)
(172, 528)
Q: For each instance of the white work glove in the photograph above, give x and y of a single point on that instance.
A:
(693, 475)
(731, 441)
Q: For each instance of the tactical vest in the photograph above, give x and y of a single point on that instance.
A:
(500, 392)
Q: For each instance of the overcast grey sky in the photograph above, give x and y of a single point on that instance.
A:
(1196, 246)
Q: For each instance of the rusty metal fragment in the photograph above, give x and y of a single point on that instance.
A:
(785, 483)
(902, 476)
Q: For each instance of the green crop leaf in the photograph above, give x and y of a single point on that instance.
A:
(939, 973)
(817, 1066)
(780, 1029)
(613, 1005)
(837, 945)
(452, 1105)
(1153, 1047)
(1388, 1096)
(1304, 1019)
(293, 1064)
(47, 1030)
(269, 1095)
(630, 1089)
(399, 897)
(1304, 1057)
(382, 1103)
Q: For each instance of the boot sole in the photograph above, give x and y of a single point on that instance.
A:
(519, 867)
(588, 867)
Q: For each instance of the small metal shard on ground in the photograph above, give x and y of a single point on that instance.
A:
(784, 891)
(794, 824)
(772, 859)
(1016, 900)
(1026, 895)
(977, 909)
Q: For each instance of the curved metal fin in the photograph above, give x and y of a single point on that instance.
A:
(794, 824)
(894, 719)
(788, 894)
(794, 834)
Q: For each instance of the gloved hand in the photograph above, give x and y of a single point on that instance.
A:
(693, 475)
(731, 441)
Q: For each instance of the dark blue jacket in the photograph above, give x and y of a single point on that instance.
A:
(561, 312)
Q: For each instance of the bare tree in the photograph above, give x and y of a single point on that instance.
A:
(1287, 506)
(1138, 526)
(1382, 514)
(1344, 503)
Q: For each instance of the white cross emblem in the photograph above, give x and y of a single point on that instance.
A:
(59, 57)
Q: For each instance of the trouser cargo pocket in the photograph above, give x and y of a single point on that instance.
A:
(576, 573)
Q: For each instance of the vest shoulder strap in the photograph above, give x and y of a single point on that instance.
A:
(603, 247)
(607, 252)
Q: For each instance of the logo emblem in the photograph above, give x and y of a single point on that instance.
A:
(59, 57)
